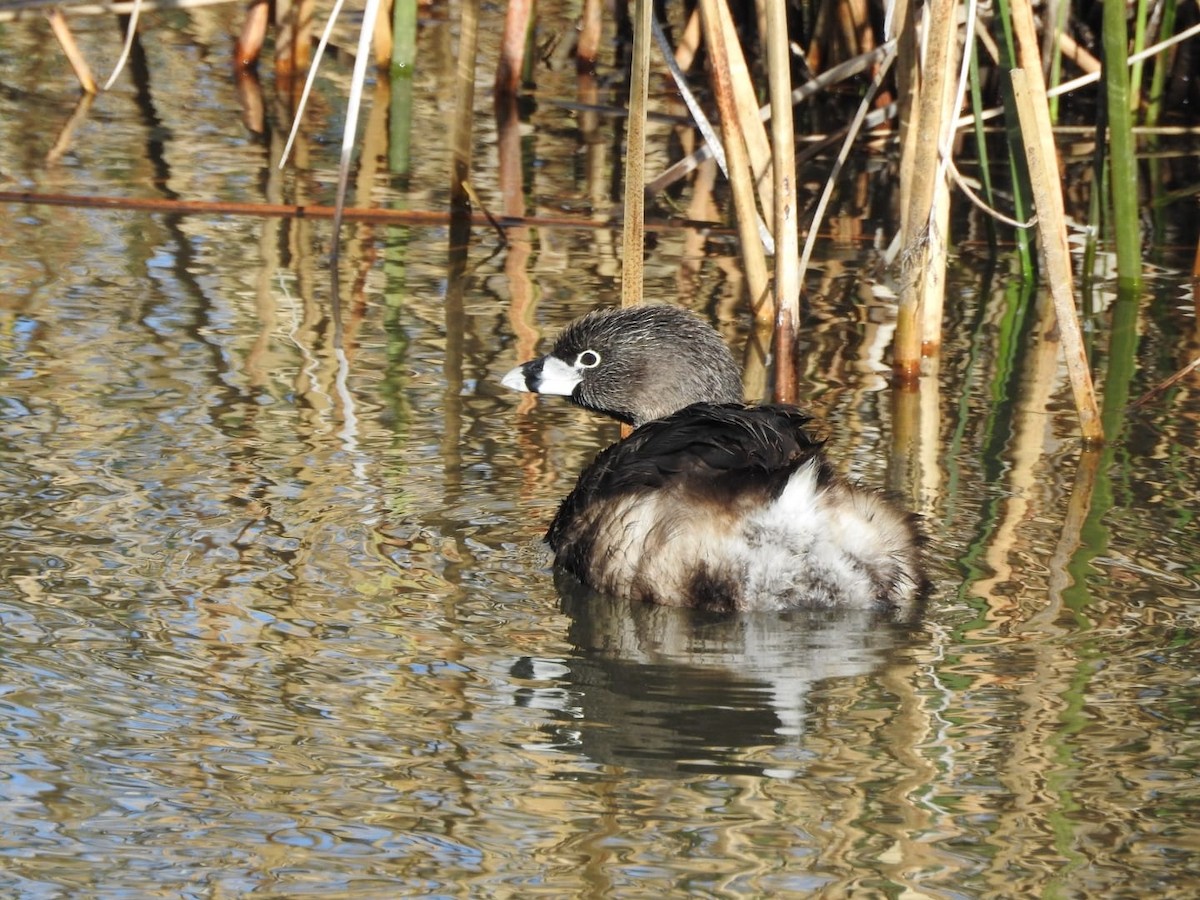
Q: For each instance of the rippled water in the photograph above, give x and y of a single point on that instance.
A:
(278, 621)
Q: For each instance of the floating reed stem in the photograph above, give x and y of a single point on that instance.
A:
(1166, 383)
(419, 217)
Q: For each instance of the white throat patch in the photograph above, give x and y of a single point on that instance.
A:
(558, 377)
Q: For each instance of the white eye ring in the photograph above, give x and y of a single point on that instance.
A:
(588, 359)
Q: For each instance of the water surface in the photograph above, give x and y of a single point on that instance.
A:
(276, 620)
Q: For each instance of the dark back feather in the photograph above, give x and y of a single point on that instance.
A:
(728, 455)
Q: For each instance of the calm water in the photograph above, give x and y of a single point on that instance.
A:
(275, 620)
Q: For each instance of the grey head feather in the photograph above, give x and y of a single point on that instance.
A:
(653, 360)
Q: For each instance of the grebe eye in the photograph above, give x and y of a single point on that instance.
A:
(588, 359)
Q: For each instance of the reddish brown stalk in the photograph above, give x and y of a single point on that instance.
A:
(590, 30)
(302, 211)
(512, 48)
(254, 32)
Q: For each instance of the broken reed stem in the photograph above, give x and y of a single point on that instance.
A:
(66, 40)
(1034, 114)
(753, 257)
(464, 92)
(517, 16)
(711, 140)
(634, 234)
(1166, 383)
(1045, 181)
(758, 146)
(787, 238)
(250, 38)
(591, 28)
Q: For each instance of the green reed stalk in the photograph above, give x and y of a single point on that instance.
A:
(404, 36)
(1158, 80)
(1154, 106)
(976, 360)
(1016, 148)
(1139, 44)
(1062, 10)
(1122, 146)
(1091, 243)
(1118, 381)
(404, 59)
(394, 385)
(985, 172)
(1003, 360)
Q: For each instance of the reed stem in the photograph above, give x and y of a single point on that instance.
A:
(1056, 256)
(787, 239)
(1127, 226)
(741, 180)
(634, 235)
(923, 260)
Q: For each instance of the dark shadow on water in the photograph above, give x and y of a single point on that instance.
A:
(665, 690)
